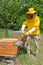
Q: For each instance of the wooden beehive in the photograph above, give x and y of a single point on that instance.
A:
(8, 47)
(17, 34)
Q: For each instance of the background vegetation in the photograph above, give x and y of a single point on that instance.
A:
(12, 12)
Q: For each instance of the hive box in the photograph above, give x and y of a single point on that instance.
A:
(9, 47)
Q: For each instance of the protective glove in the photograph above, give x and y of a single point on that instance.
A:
(22, 32)
(27, 33)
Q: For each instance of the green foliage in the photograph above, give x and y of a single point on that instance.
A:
(12, 12)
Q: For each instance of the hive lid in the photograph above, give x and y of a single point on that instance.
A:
(8, 39)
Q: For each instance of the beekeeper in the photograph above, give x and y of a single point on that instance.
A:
(33, 32)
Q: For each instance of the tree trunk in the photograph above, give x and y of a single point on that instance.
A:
(6, 32)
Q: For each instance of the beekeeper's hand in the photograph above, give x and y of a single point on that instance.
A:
(22, 32)
(27, 33)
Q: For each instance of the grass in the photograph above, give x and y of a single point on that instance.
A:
(32, 60)
(2, 33)
(22, 58)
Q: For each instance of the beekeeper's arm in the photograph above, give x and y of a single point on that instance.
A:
(30, 31)
(23, 27)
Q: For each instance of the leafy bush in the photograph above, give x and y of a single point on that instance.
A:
(12, 12)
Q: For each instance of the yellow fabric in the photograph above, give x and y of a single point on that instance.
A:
(31, 11)
(35, 22)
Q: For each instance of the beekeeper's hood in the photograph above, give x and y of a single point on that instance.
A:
(31, 11)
